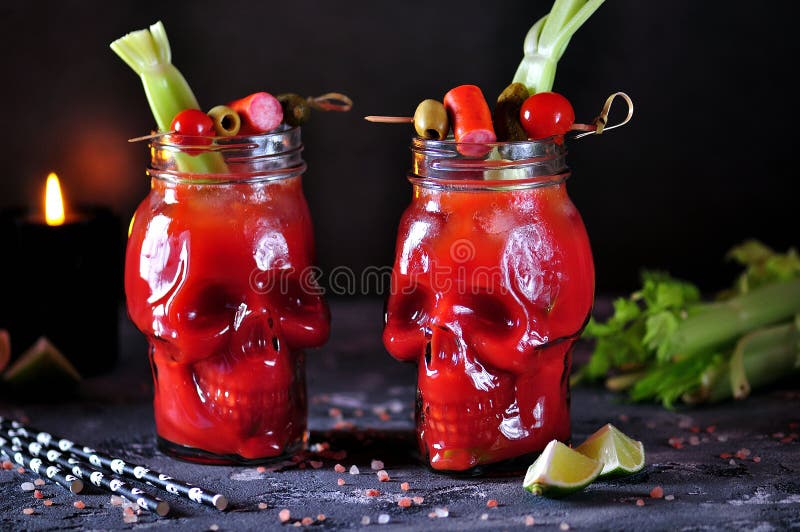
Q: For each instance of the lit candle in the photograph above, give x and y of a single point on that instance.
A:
(60, 277)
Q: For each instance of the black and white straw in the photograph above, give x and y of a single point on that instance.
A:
(36, 465)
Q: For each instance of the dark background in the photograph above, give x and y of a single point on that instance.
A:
(708, 160)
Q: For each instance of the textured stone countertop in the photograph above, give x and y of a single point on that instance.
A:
(353, 374)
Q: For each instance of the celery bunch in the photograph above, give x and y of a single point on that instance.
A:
(663, 343)
(547, 40)
(148, 53)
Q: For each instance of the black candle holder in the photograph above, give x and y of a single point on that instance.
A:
(63, 282)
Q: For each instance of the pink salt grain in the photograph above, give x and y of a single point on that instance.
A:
(7, 465)
(669, 497)
(491, 503)
(418, 500)
(263, 506)
(376, 465)
(306, 521)
(372, 492)
(711, 428)
(404, 502)
(340, 481)
(128, 510)
(28, 511)
(48, 502)
(261, 469)
(383, 476)
(21, 470)
(284, 515)
(639, 502)
(529, 520)
(405, 486)
(321, 517)
(315, 464)
(756, 459)
(339, 468)
(38, 494)
(657, 492)
(38, 482)
(80, 505)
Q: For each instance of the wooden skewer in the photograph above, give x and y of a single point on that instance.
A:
(151, 136)
(410, 120)
(390, 119)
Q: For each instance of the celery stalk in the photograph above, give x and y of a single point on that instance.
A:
(148, 53)
(547, 40)
(720, 323)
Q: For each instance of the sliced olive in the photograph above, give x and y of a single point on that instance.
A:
(430, 120)
(506, 113)
(296, 110)
(226, 121)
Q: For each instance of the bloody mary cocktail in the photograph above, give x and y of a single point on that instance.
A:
(492, 284)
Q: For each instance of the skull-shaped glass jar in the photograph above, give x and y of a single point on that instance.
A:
(492, 284)
(219, 277)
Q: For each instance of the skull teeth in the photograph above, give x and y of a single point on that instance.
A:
(260, 409)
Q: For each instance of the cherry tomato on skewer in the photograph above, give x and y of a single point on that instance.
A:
(546, 114)
(193, 123)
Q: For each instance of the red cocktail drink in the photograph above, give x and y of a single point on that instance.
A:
(218, 277)
(492, 284)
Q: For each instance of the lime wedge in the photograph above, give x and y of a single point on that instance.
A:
(43, 368)
(620, 454)
(5, 349)
(560, 471)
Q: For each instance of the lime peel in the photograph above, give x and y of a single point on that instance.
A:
(620, 454)
(43, 364)
(560, 471)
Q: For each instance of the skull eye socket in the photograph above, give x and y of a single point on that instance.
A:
(299, 299)
(489, 312)
(413, 306)
(211, 307)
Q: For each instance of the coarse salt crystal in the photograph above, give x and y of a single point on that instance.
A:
(639, 502)
(284, 515)
(27, 486)
(339, 468)
(365, 520)
(80, 505)
(441, 512)
(418, 500)
(405, 486)
(376, 465)
(732, 461)
(564, 526)
(354, 470)
(383, 476)
(404, 502)
(722, 438)
(669, 497)
(38, 482)
(383, 519)
(28, 511)
(657, 492)
(484, 517)
(529, 520)
(491, 503)
(214, 527)
(263, 506)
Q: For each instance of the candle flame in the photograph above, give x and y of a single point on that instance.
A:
(53, 201)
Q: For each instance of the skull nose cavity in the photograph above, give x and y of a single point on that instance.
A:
(445, 347)
(256, 335)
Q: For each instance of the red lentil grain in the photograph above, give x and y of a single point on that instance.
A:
(657, 492)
